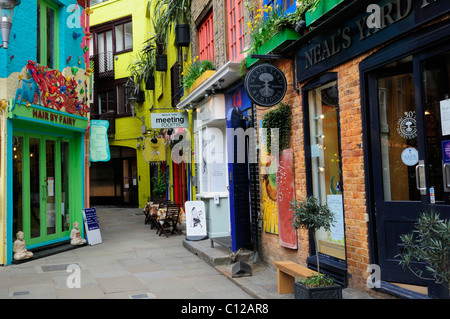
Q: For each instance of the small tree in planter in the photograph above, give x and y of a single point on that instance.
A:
(311, 215)
(429, 243)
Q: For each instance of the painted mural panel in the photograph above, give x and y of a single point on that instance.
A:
(268, 188)
(285, 194)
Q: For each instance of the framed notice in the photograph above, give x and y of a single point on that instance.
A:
(445, 117)
(195, 220)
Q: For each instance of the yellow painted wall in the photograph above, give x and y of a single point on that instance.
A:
(128, 129)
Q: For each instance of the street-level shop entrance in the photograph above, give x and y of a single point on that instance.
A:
(41, 182)
(409, 108)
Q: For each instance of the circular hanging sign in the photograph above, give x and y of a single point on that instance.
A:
(265, 85)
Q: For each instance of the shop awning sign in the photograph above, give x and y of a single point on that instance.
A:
(265, 85)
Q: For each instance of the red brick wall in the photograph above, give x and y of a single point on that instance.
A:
(357, 241)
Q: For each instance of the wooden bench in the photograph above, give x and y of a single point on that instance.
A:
(287, 271)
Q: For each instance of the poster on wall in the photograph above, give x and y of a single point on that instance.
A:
(285, 194)
(195, 220)
(98, 141)
(268, 188)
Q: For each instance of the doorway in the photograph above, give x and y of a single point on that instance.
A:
(41, 186)
(410, 167)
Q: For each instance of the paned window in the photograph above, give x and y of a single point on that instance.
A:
(236, 29)
(47, 34)
(206, 39)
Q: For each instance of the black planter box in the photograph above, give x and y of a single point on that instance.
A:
(303, 292)
(161, 62)
(140, 97)
(150, 83)
(182, 35)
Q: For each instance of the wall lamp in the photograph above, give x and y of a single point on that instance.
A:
(6, 16)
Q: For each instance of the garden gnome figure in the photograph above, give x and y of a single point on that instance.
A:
(19, 248)
(75, 237)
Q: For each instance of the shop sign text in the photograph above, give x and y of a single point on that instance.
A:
(53, 118)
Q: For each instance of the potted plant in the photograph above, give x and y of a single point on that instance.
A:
(429, 245)
(178, 12)
(193, 71)
(159, 184)
(160, 37)
(312, 215)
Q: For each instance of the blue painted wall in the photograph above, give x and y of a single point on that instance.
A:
(23, 38)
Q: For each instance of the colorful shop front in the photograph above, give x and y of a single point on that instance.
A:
(46, 162)
(383, 77)
(221, 106)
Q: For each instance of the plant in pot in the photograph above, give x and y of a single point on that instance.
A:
(310, 214)
(429, 245)
(160, 37)
(192, 71)
(178, 12)
(148, 67)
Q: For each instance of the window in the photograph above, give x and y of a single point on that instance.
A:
(325, 164)
(114, 37)
(287, 6)
(112, 98)
(47, 34)
(236, 29)
(206, 39)
(124, 37)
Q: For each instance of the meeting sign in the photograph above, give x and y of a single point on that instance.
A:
(169, 120)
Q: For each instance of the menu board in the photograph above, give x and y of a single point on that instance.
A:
(98, 141)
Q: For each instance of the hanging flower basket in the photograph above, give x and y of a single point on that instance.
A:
(161, 62)
(182, 35)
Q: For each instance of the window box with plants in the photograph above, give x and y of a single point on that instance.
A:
(310, 214)
(271, 31)
(196, 73)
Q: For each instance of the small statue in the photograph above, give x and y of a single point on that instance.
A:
(75, 237)
(19, 248)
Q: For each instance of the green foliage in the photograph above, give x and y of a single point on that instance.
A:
(429, 243)
(315, 281)
(263, 28)
(176, 11)
(311, 215)
(278, 118)
(192, 71)
(140, 69)
(159, 184)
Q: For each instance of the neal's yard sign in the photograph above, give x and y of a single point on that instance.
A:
(265, 85)
(352, 35)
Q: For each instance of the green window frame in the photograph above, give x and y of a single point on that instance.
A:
(48, 34)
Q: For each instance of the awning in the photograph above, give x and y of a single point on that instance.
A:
(223, 78)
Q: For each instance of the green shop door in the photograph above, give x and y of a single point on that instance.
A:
(41, 187)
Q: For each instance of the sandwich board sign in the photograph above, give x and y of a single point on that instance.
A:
(91, 226)
(195, 220)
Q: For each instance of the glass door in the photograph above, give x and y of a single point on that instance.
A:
(410, 158)
(41, 187)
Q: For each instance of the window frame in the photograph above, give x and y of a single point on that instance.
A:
(111, 26)
(42, 34)
(236, 30)
(111, 87)
(206, 39)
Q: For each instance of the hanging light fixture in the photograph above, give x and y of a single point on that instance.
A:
(6, 17)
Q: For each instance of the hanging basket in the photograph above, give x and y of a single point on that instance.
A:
(182, 35)
(161, 62)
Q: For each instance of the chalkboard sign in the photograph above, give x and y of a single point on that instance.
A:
(91, 226)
